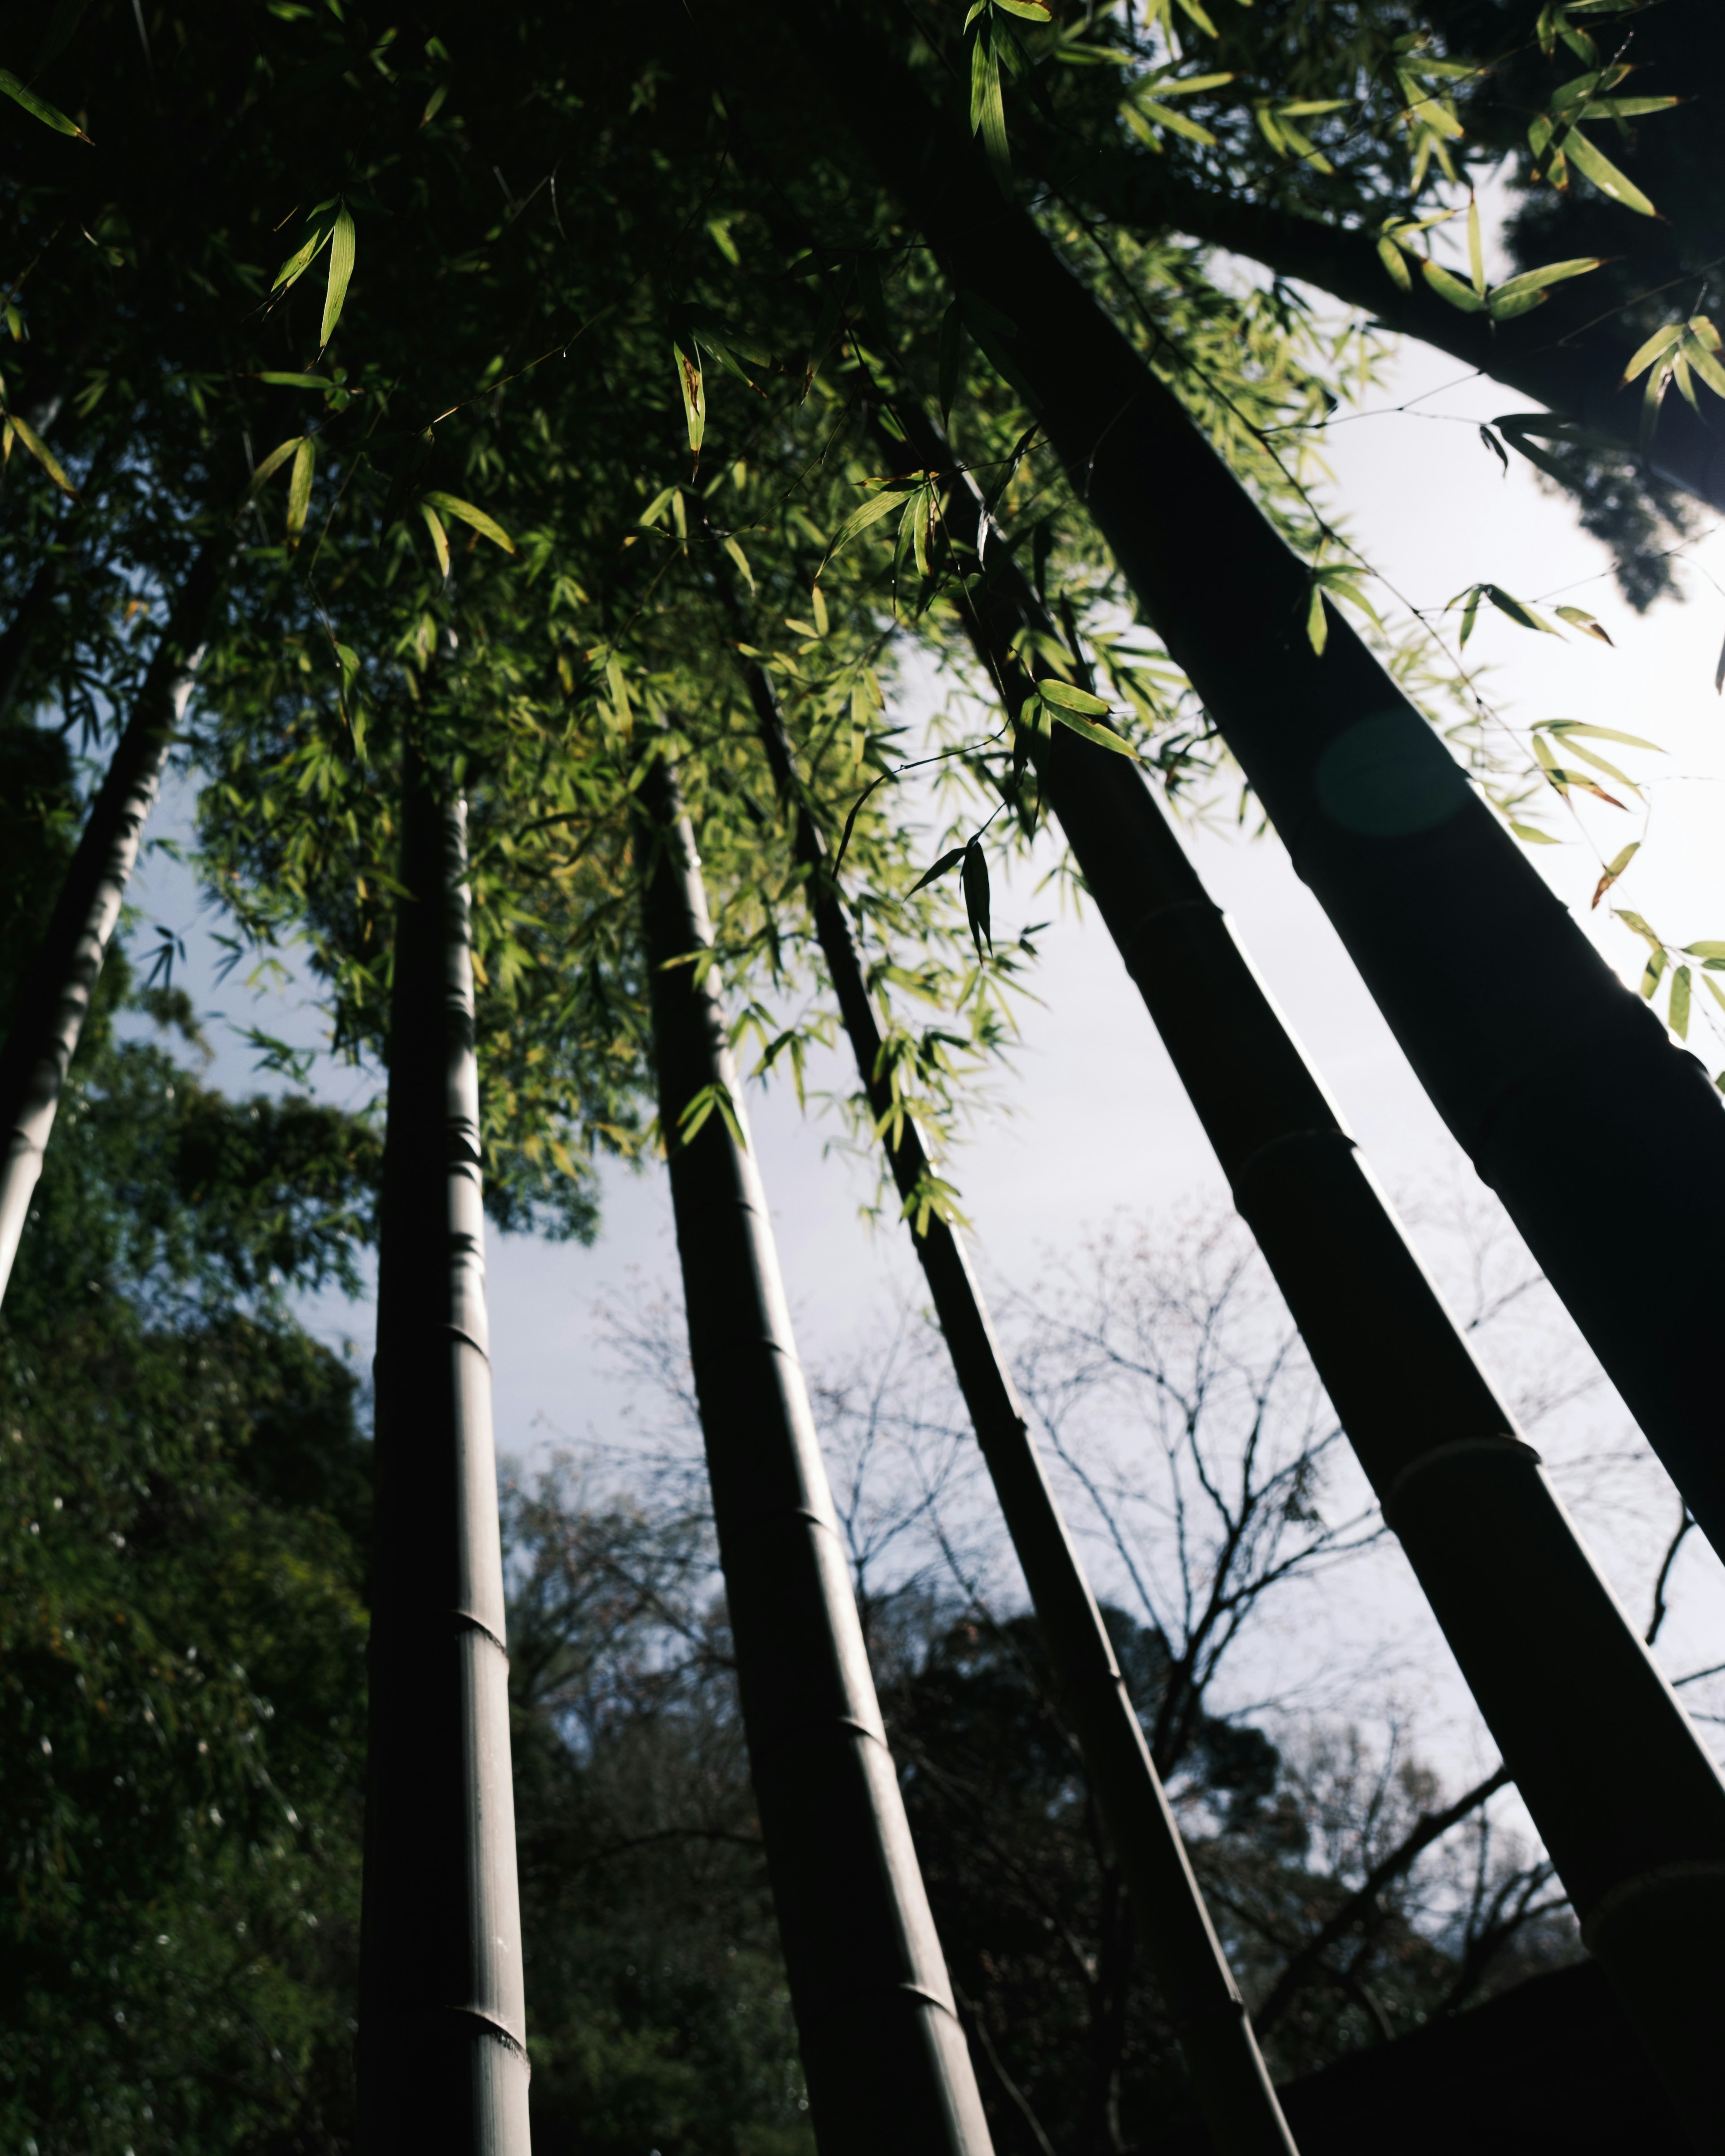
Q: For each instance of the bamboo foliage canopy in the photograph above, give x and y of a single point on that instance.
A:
(534, 370)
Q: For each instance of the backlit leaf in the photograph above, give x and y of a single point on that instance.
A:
(1679, 1011)
(1579, 617)
(1614, 868)
(487, 527)
(44, 455)
(342, 250)
(1103, 736)
(1064, 699)
(1586, 158)
(300, 485)
(440, 537)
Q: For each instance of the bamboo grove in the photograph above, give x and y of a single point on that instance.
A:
(513, 468)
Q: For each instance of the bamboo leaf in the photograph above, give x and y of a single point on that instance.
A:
(1449, 287)
(693, 388)
(1679, 1008)
(1604, 175)
(1103, 736)
(1532, 835)
(38, 108)
(890, 498)
(974, 881)
(1565, 727)
(1579, 617)
(272, 462)
(1715, 952)
(1634, 920)
(341, 253)
(1317, 622)
(945, 862)
(1613, 869)
(1658, 343)
(44, 455)
(440, 537)
(297, 381)
(1515, 295)
(300, 485)
(487, 527)
(1475, 247)
(741, 561)
(1391, 257)
(1652, 974)
(1064, 699)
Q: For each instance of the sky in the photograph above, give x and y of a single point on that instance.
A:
(1089, 1125)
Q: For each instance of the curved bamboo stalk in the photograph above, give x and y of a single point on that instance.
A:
(56, 996)
(883, 2050)
(442, 2061)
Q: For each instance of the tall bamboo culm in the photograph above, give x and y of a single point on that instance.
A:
(1534, 1053)
(442, 2063)
(55, 999)
(1563, 1682)
(883, 2054)
(1228, 2077)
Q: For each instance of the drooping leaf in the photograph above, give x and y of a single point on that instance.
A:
(1588, 158)
(1613, 869)
(1679, 1008)
(974, 880)
(44, 455)
(440, 537)
(342, 253)
(1317, 621)
(300, 485)
(487, 527)
(741, 561)
(274, 462)
(692, 387)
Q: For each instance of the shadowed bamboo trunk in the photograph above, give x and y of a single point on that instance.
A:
(1228, 2072)
(1563, 1682)
(1538, 1058)
(56, 995)
(887, 2066)
(443, 2064)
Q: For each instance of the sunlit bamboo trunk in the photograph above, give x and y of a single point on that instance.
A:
(887, 2066)
(1228, 2077)
(443, 2064)
(55, 999)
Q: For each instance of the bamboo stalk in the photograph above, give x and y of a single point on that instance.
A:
(442, 2062)
(883, 2050)
(56, 996)
(1536, 1055)
(1559, 1673)
(1228, 2077)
